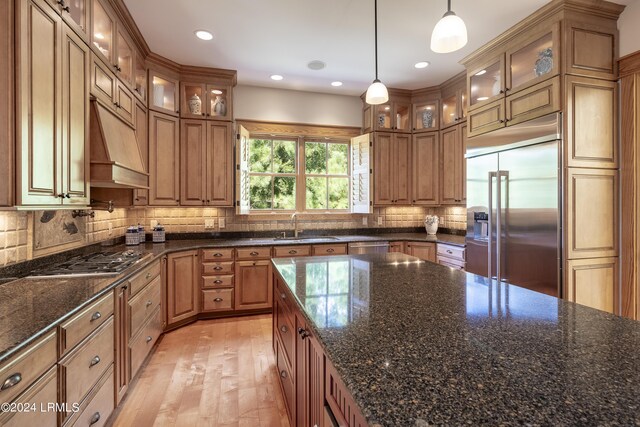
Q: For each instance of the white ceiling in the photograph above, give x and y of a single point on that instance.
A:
(263, 37)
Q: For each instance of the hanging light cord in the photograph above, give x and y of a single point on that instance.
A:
(375, 25)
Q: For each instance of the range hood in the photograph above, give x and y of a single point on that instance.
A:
(116, 161)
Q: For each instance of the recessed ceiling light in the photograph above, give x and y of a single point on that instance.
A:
(481, 72)
(316, 65)
(423, 64)
(276, 77)
(336, 84)
(216, 92)
(483, 98)
(204, 35)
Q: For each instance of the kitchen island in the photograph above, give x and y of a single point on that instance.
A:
(414, 343)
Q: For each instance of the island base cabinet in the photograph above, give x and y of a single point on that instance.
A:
(340, 401)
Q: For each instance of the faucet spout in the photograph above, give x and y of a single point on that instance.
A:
(294, 222)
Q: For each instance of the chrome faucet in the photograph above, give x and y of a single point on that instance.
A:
(294, 221)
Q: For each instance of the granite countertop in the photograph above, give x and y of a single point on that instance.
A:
(420, 344)
(31, 307)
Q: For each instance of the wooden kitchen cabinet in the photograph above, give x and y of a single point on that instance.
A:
(206, 100)
(393, 116)
(309, 372)
(426, 116)
(53, 113)
(141, 197)
(425, 251)
(125, 54)
(103, 32)
(121, 320)
(397, 247)
(183, 286)
(453, 105)
(164, 91)
(391, 169)
(164, 160)
(76, 15)
(254, 285)
(453, 166)
(426, 169)
(594, 283)
(140, 77)
(111, 92)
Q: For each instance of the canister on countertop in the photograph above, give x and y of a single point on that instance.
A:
(142, 237)
(131, 236)
(158, 234)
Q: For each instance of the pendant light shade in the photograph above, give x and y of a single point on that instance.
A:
(377, 92)
(449, 34)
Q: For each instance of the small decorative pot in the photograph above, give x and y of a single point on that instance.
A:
(132, 237)
(219, 106)
(427, 119)
(431, 224)
(141, 236)
(195, 105)
(381, 119)
(158, 234)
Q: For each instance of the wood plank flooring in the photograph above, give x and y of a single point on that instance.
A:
(211, 373)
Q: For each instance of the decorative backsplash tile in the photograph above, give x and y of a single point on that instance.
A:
(14, 237)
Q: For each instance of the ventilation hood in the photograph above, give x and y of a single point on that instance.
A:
(116, 161)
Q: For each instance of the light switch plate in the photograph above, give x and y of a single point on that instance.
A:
(210, 223)
(379, 220)
(223, 223)
(110, 229)
(365, 220)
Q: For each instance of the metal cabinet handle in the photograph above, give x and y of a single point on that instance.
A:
(292, 252)
(148, 275)
(217, 255)
(66, 9)
(254, 253)
(217, 268)
(149, 339)
(330, 250)
(284, 329)
(97, 314)
(303, 333)
(94, 418)
(94, 361)
(283, 374)
(217, 282)
(449, 251)
(149, 303)
(283, 296)
(218, 299)
(11, 381)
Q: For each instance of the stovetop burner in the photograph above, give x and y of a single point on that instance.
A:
(100, 263)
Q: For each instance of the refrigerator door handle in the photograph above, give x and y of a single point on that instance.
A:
(492, 175)
(500, 175)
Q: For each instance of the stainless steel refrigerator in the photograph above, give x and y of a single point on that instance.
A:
(514, 204)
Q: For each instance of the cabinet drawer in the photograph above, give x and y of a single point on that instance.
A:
(143, 278)
(450, 262)
(217, 281)
(253, 253)
(144, 304)
(217, 254)
(80, 326)
(28, 365)
(217, 300)
(286, 332)
(286, 381)
(42, 392)
(141, 344)
(101, 405)
(217, 268)
(292, 251)
(329, 250)
(82, 368)
(455, 252)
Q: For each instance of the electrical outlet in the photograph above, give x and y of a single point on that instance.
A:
(222, 223)
(210, 223)
(110, 226)
(379, 220)
(365, 220)
(154, 223)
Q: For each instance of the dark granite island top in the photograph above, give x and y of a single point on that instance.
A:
(421, 344)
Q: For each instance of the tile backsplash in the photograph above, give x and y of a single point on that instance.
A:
(14, 237)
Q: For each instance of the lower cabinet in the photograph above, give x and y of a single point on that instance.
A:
(183, 286)
(398, 247)
(425, 251)
(451, 256)
(41, 393)
(593, 282)
(254, 286)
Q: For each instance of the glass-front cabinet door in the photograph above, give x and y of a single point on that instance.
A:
(194, 100)
(219, 104)
(382, 117)
(125, 58)
(425, 116)
(103, 30)
(76, 14)
(402, 116)
(450, 110)
(534, 60)
(140, 86)
(163, 94)
(486, 83)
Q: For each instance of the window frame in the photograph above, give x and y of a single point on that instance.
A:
(327, 175)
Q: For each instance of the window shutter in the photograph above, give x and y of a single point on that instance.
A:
(242, 172)
(361, 189)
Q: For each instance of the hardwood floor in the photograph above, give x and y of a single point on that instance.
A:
(211, 373)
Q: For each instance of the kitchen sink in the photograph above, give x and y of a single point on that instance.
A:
(307, 238)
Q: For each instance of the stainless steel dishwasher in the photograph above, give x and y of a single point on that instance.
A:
(368, 248)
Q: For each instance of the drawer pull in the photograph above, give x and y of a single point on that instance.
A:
(94, 361)
(284, 329)
(218, 300)
(330, 250)
(94, 418)
(303, 333)
(293, 252)
(217, 255)
(254, 253)
(149, 338)
(148, 275)
(11, 381)
(283, 296)
(449, 251)
(217, 268)
(149, 303)
(217, 282)
(96, 316)
(283, 374)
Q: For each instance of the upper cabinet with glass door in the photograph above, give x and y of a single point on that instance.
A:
(103, 31)
(163, 93)
(453, 109)
(426, 116)
(394, 116)
(486, 82)
(210, 101)
(140, 77)
(75, 13)
(126, 55)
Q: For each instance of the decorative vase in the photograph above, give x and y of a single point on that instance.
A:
(431, 224)
(195, 105)
(381, 119)
(544, 64)
(219, 106)
(427, 119)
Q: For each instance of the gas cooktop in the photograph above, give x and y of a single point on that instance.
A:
(96, 264)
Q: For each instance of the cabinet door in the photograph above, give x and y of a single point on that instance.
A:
(103, 29)
(125, 103)
(164, 163)
(141, 197)
(463, 164)
(76, 14)
(75, 119)
(402, 172)
(383, 156)
(39, 130)
(140, 76)
(487, 118)
(219, 160)
(103, 82)
(163, 92)
(425, 251)
(193, 162)
(486, 82)
(182, 286)
(315, 375)
(121, 328)
(449, 114)
(301, 370)
(594, 283)
(425, 116)
(254, 286)
(397, 247)
(426, 169)
(219, 103)
(450, 153)
(534, 59)
(382, 119)
(125, 52)
(193, 97)
(402, 116)
(534, 101)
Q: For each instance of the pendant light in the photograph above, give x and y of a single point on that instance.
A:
(377, 92)
(449, 34)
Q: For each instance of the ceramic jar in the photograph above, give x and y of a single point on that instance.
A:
(132, 237)
(158, 234)
(431, 224)
(219, 106)
(195, 105)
